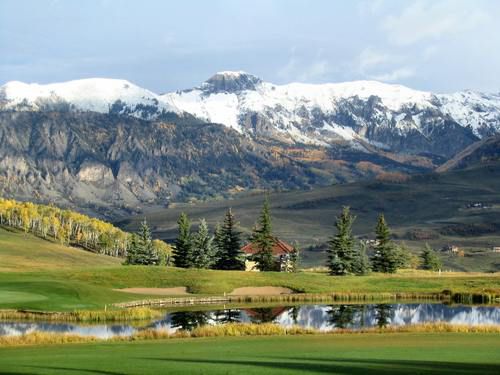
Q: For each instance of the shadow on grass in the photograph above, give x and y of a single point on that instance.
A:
(64, 370)
(351, 366)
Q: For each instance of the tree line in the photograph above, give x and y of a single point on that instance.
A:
(347, 256)
(218, 250)
(72, 228)
(222, 249)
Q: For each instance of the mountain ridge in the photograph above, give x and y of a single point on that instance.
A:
(109, 146)
(385, 115)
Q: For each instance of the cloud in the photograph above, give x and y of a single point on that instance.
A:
(370, 7)
(371, 58)
(432, 20)
(300, 69)
(382, 65)
(395, 75)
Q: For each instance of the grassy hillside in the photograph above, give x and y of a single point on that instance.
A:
(25, 252)
(42, 275)
(425, 353)
(92, 288)
(430, 207)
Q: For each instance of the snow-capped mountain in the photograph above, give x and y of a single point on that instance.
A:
(361, 112)
(370, 111)
(95, 94)
(299, 112)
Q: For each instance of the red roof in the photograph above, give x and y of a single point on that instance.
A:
(279, 248)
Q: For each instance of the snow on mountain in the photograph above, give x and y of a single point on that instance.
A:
(478, 110)
(94, 94)
(322, 113)
(359, 112)
(242, 101)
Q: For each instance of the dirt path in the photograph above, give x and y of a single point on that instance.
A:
(180, 290)
(260, 291)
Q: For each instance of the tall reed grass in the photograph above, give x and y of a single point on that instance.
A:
(243, 329)
(295, 297)
(136, 313)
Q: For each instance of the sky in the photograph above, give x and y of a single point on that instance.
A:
(435, 45)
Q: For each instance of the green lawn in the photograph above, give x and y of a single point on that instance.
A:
(25, 252)
(92, 288)
(42, 275)
(422, 353)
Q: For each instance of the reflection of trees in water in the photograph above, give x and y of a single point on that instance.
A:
(383, 314)
(342, 316)
(227, 316)
(264, 314)
(293, 312)
(188, 319)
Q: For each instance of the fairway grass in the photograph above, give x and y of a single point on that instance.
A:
(92, 288)
(41, 275)
(404, 353)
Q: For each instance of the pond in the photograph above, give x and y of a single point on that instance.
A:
(320, 317)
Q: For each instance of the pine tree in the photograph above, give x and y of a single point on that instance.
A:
(230, 256)
(361, 263)
(404, 258)
(218, 244)
(263, 240)
(385, 258)
(132, 250)
(183, 243)
(146, 254)
(293, 261)
(202, 252)
(341, 253)
(430, 259)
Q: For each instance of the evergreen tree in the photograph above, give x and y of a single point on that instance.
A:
(404, 258)
(132, 250)
(361, 263)
(294, 260)
(146, 254)
(263, 240)
(430, 259)
(202, 252)
(183, 243)
(341, 253)
(218, 244)
(386, 257)
(228, 240)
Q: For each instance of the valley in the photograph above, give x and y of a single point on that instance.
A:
(434, 208)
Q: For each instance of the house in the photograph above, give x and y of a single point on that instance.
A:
(496, 249)
(452, 249)
(282, 252)
(371, 243)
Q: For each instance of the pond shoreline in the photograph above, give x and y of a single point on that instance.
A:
(239, 330)
(445, 296)
(147, 309)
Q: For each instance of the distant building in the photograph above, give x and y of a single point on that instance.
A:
(452, 249)
(371, 243)
(496, 249)
(282, 253)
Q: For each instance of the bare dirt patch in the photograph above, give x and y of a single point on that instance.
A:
(261, 291)
(180, 290)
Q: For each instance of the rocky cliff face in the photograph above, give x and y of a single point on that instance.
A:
(108, 145)
(393, 117)
(389, 116)
(107, 163)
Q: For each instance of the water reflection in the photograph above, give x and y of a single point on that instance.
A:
(188, 320)
(321, 317)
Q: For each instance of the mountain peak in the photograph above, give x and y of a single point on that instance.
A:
(230, 82)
